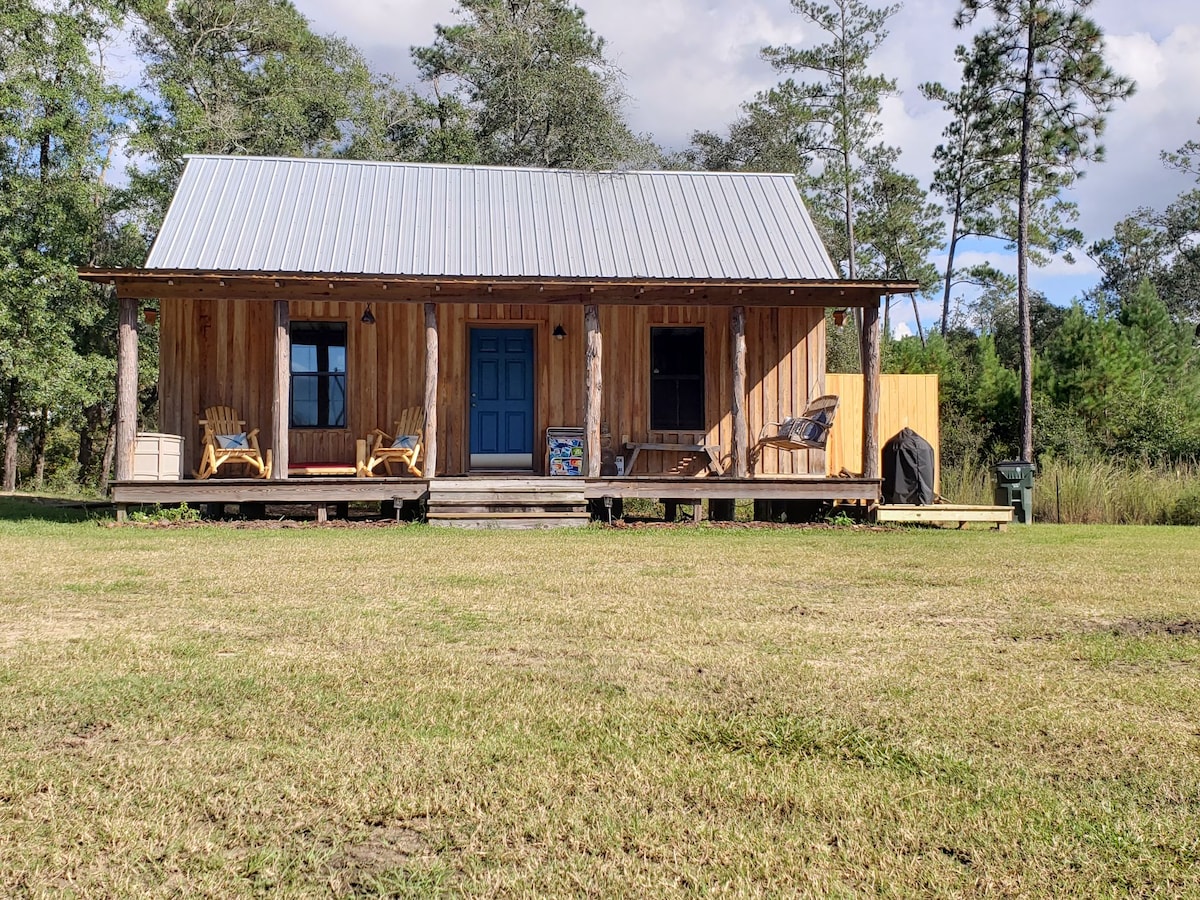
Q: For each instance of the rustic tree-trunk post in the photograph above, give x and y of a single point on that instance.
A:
(127, 386)
(281, 392)
(871, 368)
(431, 389)
(741, 446)
(592, 391)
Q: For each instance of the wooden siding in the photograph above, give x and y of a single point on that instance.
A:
(220, 352)
(905, 401)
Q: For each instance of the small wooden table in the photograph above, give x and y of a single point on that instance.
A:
(713, 453)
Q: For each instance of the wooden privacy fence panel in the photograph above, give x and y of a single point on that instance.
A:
(905, 401)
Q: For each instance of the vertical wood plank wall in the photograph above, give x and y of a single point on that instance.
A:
(905, 401)
(220, 352)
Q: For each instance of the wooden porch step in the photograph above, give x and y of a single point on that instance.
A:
(945, 513)
(521, 520)
(511, 514)
(519, 497)
(514, 524)
(523, 502)
(505, 506)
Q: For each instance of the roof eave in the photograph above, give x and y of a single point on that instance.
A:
(157, 283)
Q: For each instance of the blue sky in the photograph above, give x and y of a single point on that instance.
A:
(690, 63)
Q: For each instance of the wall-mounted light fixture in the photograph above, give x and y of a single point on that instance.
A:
(839, 317)
(368, 317)
(559, 332)
(150, 315)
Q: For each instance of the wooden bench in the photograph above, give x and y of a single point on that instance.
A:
(333, 468)
(712, 452)
(943, 513)
(326, 469)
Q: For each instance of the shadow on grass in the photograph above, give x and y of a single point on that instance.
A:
(28, 507)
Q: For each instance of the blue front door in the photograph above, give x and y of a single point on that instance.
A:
(502, 398)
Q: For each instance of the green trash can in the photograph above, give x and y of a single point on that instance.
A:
(1014, 487)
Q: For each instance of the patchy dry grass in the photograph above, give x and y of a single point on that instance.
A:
(413, 712)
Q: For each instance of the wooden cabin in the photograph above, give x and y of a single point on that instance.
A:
(668, 315)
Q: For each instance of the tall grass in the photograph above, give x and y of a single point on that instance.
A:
(1092, 492)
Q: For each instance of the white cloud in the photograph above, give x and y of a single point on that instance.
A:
(690, 69)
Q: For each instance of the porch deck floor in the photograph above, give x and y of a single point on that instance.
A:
(345, 490)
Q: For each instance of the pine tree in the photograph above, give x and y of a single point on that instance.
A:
(1042, 61)
(536, 83)
(836, 107)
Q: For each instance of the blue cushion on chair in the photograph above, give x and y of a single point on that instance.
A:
(814, 431)
(237, 441)
(406, 441)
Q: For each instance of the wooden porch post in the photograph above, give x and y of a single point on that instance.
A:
(127, 386)
(281, 390)
(871, 366)
(741, 453)
(593, 390)
(431, 389)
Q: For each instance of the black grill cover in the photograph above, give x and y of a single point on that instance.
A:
(908, 469)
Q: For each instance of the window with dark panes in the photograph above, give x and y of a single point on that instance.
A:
(677, 379)
(318, 375)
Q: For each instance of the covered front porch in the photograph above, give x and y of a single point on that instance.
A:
(224, 340)
(760, 378)
(502, 497)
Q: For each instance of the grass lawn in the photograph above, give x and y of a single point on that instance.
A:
(693, 711)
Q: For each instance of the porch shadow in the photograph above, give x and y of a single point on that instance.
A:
(33, 507)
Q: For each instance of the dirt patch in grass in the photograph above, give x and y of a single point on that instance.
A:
(387, 849)
(1145, 627)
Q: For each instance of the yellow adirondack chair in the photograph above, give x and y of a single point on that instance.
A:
(403, 447)
(226, 441)
(808, 431)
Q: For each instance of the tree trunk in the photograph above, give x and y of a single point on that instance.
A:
(949, 272)
(93, 417)
(12, 425)
(917, 317)
(1023, 316)
(39, 448)
(110, 445)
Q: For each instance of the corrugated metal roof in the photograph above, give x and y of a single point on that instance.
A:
(235, 214)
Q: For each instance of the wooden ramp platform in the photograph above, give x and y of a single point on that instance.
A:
(945, 513)
(505, 502)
